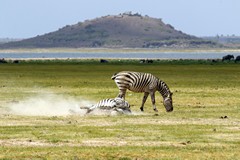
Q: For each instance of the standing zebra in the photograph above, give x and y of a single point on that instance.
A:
(143, 82)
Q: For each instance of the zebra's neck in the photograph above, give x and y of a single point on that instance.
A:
(163, 89)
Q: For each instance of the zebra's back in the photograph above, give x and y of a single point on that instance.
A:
(135, 81)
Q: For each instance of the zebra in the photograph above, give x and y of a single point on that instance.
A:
(143, 82)
(117, 104)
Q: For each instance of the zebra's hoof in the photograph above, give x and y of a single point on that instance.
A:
(155, 110)
(141, 109)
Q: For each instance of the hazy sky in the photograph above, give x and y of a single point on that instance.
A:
(28, 18)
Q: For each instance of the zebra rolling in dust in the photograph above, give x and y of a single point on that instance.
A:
(143, 82)
(115, 104)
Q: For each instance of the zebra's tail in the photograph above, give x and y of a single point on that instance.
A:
(114, 76)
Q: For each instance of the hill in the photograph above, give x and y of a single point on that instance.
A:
(120, 31)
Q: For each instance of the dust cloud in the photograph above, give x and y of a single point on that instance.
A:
(49, 105)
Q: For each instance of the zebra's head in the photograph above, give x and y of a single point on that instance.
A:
(167, 102)
(121, 103)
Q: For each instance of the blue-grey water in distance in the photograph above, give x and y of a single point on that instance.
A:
(180, 55)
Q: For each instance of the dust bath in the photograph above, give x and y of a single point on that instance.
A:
(54, 105)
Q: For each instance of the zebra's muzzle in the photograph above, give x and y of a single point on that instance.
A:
(168, 104)
(170, 110)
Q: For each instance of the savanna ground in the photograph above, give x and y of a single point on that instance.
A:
(205, 123)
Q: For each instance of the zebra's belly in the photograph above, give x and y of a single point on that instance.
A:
(133, 89)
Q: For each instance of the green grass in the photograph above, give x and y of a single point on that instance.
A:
(203, 93)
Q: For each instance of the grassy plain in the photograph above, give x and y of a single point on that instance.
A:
(205, 123)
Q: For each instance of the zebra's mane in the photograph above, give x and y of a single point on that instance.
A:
(163, 89)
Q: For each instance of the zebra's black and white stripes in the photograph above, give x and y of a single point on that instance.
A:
(143, 82)
(117, 104)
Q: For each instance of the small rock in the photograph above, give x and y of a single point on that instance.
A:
(224, 117)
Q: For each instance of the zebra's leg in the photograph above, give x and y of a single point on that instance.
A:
(90, 109)
(144, 100)
(122, 93)
(153, 101)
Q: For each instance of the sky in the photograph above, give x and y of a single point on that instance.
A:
(29, 18)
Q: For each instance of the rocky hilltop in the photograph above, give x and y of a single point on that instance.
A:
(115, 31)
